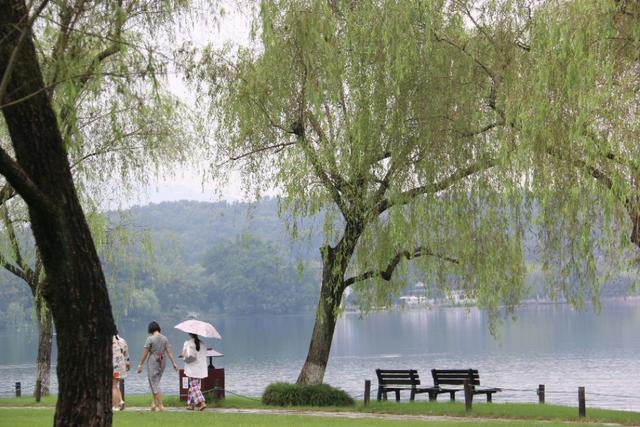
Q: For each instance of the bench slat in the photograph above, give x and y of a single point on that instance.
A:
(400, 382)
(455, 376)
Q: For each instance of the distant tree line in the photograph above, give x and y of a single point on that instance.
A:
(226, 258)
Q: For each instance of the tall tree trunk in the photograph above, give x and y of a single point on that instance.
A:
(334, 263)
(43, 362)
(75, 288)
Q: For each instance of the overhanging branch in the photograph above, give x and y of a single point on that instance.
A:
(433, 188)
(387, 273)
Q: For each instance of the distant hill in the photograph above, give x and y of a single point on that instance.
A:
(195, 226)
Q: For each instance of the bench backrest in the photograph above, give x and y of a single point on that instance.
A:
(455, 376)
(398, 377)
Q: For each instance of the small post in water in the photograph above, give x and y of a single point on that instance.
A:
(541, 393)
(18, 389)
(38, 392)
(582, 407)
(468, 396)
(367, 392)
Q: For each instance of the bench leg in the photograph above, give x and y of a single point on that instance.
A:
(384, 396)
(397, 395)
(489, 397)
(379, 394)
(433, 396)
(413, 395)
(452, 396)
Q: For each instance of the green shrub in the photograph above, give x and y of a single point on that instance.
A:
(285, 394)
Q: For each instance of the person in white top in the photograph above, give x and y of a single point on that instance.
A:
(194, 355)
(121, 365)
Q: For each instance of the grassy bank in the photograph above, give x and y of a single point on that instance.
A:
(512, 411)
(42, 417)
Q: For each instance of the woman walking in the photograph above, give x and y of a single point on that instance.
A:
(155, 348)
(195, 367)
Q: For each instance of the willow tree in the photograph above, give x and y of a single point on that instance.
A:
(103, 74)
(366, 111)
(574, 108)
(42, 174)
(583, 124)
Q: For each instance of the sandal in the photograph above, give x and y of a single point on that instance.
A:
(189, 407)
(202, 406)
(121, 406)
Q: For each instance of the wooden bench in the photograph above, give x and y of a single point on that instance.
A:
(456, 377)
(396, 380)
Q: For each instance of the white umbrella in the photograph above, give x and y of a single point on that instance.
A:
(213, 353)
(198, 327)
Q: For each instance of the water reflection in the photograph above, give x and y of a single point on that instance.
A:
(548, 344)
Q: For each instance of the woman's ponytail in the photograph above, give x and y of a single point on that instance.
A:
(196, 340)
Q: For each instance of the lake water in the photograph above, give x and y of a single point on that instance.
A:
(547, 344)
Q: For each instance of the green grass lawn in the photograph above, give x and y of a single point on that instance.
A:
(533, 412)
(43, 417)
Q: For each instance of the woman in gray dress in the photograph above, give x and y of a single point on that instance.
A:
(155, 348)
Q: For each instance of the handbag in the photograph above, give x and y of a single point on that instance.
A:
(190, 355)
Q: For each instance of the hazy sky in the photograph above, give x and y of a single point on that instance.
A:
(188, 184)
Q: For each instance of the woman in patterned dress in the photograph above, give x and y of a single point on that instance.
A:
(121, 364)
(195, 367)
(155, 348)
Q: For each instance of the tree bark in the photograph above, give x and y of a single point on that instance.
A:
(326, 316)
(75, 288)
(43, 362)
(635, 233)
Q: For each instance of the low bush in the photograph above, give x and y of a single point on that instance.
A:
(285, 394)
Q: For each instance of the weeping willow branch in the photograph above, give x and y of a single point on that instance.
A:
(387, 273)
(464, 50)
(13, 240)
(16, 271)
(330, 185)
(276, 147)
(436, 187)
(333, 172)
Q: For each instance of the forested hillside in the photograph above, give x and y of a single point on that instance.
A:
(197, 257)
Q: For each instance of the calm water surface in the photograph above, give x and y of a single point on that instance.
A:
(547, 344)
